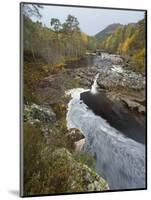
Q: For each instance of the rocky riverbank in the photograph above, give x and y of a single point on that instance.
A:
(61, 155)
(120, 84)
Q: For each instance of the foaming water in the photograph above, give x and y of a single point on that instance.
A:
(120, 160)
(95, 85)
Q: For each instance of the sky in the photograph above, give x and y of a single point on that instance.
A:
(91, 20)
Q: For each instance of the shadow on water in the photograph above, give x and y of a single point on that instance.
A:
(116, 115)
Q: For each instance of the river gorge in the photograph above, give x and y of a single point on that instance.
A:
(112, 134)
(105, 101)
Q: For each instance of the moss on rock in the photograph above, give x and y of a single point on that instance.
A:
(80, 177)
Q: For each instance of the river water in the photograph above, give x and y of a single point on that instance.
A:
(113, 137)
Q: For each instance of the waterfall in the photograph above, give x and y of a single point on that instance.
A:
(95, 85)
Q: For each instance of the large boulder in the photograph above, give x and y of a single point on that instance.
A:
(77, 138)
(75, 134)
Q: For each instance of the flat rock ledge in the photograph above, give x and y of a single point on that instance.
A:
(133, 105)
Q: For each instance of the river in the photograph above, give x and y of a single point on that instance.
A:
(113, 137)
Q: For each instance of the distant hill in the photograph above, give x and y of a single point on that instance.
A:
(127, 40)
(108, 31)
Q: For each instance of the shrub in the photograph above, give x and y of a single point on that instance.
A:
(85, 158)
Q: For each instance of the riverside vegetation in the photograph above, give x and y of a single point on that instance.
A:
(52, 164)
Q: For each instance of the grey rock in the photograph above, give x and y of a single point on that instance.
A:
(112, 74)
(133, 105)
(34, 113)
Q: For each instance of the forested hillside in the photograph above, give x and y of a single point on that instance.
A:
(109, 30)
(56, 44)
(47, 49)
(128, 41)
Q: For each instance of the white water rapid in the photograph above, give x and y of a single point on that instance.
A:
(95, 85)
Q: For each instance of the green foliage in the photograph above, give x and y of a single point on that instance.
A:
(54, 45)
(42, 174)
(33, 74)
(139, 59)
(55, 23)
(60, 109)
(71, 24)
(92, 43)
(85, 158)
(128, 40)
(48, 165)
(46, 50)
(33, 143)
